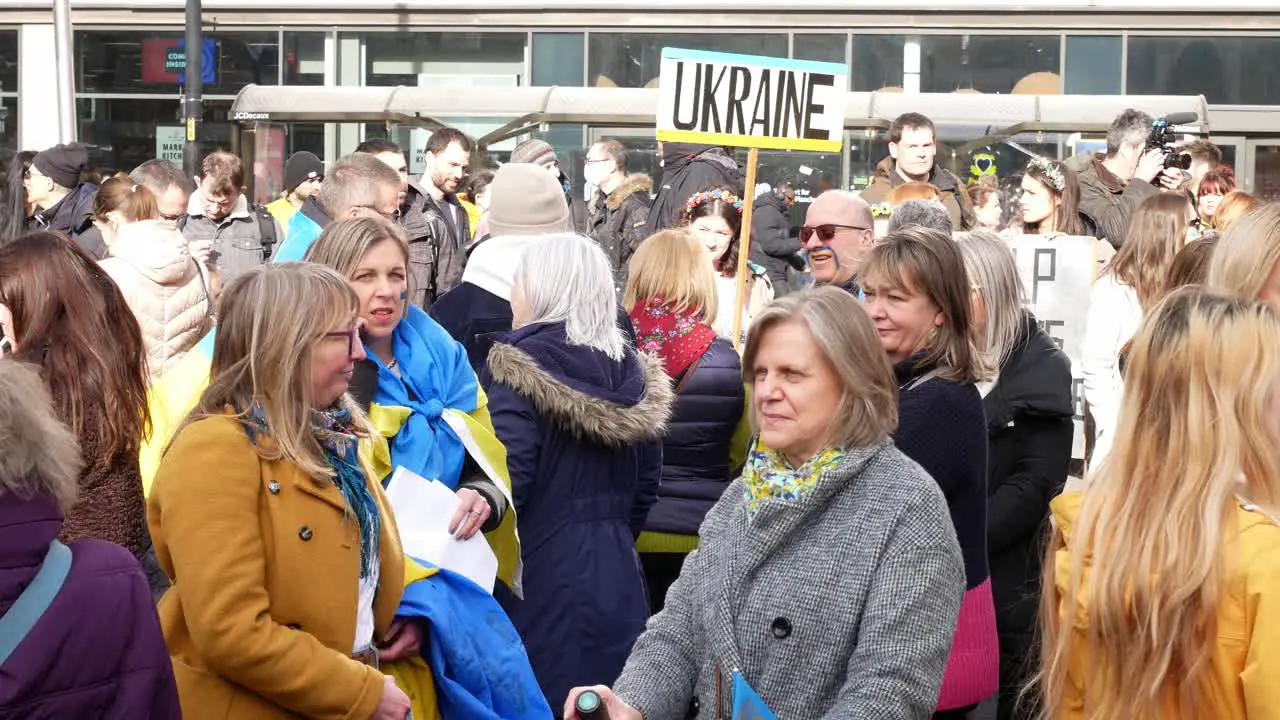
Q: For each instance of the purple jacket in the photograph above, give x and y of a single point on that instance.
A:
(97, 652)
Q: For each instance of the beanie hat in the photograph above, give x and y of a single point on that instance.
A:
(526, 200)
(302, 166)
(63, 163)
(536, 152)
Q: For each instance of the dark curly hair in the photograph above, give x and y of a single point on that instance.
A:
(726, 264)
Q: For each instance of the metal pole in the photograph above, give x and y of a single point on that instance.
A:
(192, 106)
(65, 67)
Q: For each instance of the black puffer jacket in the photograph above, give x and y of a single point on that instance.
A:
(686, 169)
(773, 246)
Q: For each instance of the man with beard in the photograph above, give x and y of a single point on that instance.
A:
(441, 259)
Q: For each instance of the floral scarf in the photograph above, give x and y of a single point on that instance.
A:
(332, 429)
(679, 338)
(768, 474)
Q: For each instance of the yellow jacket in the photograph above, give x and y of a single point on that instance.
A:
(1246, 657)
(261, 619)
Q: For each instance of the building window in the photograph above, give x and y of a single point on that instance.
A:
(877, 62)
(123, 134)
(452, 59)
(1226, 70)
(823, 48)
(558, 59)
(304, 58)
(633, 60)
(1093, 65)
(9, 61)
(990, 63)
(150, 62)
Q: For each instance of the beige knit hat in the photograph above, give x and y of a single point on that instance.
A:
(526, 200)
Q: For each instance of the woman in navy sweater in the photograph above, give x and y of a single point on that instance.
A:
(671, 299)
(918, 296)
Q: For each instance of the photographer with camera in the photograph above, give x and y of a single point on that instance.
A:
(1131, 171)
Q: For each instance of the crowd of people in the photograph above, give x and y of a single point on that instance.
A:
(839, 484)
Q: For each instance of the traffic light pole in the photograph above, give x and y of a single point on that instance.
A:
(193, 103)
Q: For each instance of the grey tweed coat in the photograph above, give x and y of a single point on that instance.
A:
(840, 605)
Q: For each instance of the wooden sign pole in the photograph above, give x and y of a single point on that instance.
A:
(744, 245)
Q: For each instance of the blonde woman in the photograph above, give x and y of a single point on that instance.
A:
(1029, 411)
(671, 299)
(1130, 285)
(1247, 259)
(284, 556)
(1179, 615)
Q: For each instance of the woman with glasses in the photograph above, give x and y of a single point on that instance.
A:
(284, 555)
(714, 216)
(1132, 283)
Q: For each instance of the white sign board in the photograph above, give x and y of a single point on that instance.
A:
(1057, 274)
(170, 140)
(751, 101)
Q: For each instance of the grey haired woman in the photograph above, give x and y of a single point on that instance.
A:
(828, 578)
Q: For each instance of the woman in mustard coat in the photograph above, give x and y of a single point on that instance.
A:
(284, 555)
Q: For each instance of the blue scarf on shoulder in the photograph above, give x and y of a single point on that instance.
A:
(434, 375)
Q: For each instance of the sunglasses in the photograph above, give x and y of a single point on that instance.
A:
(352, 336)
(825, 232)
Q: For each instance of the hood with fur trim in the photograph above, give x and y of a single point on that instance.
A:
(613, 402)
(637, 182)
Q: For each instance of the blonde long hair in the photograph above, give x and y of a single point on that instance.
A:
(269, 320)
(672, 264)
(1247, 253)
(1157, 231)
(1194, 432)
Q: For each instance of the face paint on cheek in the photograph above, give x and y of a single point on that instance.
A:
(404, 294)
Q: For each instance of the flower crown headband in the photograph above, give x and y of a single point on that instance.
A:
(707, 196)
(1050, 171)
(881, 210)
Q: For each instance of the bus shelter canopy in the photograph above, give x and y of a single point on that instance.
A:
(525, 108)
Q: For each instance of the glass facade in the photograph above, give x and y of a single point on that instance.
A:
(128, 88)
(632, 59)
(1226, 70)
(1093, 65)
(149, 62)
(990, 63)
(9, 88)
(877, 62)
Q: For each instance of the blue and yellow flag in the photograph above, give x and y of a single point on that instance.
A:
(747, 704)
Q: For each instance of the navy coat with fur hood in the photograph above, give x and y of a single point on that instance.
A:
(583, 435)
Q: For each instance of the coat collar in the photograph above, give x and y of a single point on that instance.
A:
(630, 186)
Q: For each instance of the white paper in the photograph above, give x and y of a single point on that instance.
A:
(423, 510)
(805, 170)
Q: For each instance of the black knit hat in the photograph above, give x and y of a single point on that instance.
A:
(63, 163)
(302, 166)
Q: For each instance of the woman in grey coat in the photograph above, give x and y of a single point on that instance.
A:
(828, 578)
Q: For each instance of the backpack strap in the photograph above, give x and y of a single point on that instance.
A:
(35, 599)
(920, 381)
(266, 230)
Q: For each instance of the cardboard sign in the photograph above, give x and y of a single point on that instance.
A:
(751, 101)
(1058, 274)
(170, 140)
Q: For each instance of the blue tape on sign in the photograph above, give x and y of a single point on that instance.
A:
(707, 56)
(208, 62)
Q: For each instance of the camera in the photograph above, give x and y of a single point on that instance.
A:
(1162, 137)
